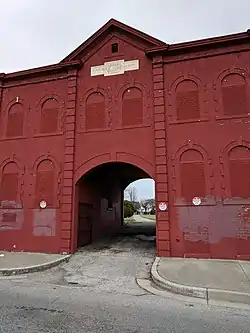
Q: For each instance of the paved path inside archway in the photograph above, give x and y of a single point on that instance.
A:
(142, 219)
(109, 265)
(113, 265)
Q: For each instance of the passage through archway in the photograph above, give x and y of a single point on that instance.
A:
(100, 201)
(139, 208)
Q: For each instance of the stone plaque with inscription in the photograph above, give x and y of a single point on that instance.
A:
(114, 68)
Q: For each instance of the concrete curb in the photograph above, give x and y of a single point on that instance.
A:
(208, 294)
(34, 268)
(173, 286)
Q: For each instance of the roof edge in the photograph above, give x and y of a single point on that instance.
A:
(41, 70)
(112, 23)
(206, 42)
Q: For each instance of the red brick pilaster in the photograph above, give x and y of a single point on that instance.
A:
(1, 94)
(161, 180)
(68, 166)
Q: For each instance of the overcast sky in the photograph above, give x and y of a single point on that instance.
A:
(40, 32)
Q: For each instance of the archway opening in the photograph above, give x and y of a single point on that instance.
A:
(100, 197)
(139, 198)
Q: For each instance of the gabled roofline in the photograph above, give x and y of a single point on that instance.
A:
(39, 71)
(111, 24)
(206, 43)
(160, 48)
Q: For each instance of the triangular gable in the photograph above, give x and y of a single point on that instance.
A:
(112, 25)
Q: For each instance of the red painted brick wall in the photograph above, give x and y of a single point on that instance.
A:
(31, 164)
(105, 137)
(207, 101)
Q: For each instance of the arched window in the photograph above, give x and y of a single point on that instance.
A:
(192, 175)
(49, 116)
(95, 117)
(15, 120)
(187, 100)
(132, 107)
(9, 183)
(234, 94)
(45, 183)
(239, 171)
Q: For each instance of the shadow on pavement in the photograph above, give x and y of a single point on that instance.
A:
(132, 235)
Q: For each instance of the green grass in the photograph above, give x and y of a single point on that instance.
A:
(129, 219)
(149, 217)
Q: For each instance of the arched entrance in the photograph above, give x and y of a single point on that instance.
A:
(99, 200)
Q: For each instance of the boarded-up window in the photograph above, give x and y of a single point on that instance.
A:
(132, 107)
(49, 116)
(15, 120)
(187, 100)
(192, 175)
(9, 183)
(45, 183)
(234, 95)
(239, 171)
(95, 115)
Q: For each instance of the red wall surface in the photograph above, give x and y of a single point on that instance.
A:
(208, 135)
(31, 155)
(181, 118)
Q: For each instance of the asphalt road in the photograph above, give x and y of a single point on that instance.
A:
(42, 308)
(97, 292)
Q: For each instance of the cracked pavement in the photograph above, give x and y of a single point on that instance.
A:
(111, 264)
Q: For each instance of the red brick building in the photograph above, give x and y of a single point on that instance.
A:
(121, 107)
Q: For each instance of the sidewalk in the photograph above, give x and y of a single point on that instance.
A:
(209, 279)
(12, 263)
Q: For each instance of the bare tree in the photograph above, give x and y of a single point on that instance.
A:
(131, 193)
